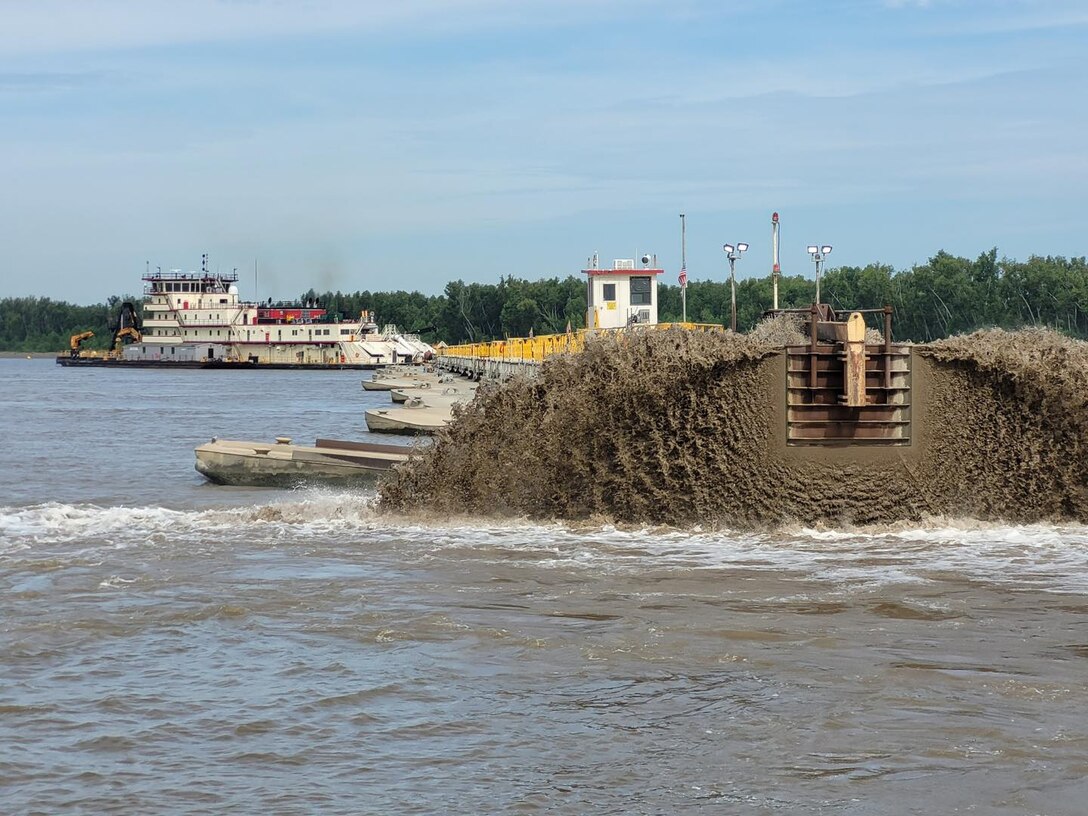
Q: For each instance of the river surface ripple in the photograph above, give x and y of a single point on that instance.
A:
(167, 646)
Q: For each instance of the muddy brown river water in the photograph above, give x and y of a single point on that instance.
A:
(172, 647)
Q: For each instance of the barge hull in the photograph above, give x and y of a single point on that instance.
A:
(248, 365)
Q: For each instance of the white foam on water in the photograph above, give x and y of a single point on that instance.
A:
(55, 522)
(1037, 556)
(307, 512)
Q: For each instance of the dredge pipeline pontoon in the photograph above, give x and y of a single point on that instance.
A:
(281, 464)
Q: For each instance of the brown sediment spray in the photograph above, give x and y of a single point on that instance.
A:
(679, 427)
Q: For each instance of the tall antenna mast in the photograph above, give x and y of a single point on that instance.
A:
(776, 270)
(256, 294)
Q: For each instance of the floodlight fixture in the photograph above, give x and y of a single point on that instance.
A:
(819, 253)
(733, 252)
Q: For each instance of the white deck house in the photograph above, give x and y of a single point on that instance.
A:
(624, 295)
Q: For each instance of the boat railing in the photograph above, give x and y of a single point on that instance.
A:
(178, 275)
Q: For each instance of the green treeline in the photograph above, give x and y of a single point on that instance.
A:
(43, 324)
(947, 295)
(467, 312)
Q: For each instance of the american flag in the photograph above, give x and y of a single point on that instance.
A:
(683, 277)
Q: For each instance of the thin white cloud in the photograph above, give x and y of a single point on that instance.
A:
(965, 17)
(1032, 20)
(63, 25)
(39, 81)
(51, 26)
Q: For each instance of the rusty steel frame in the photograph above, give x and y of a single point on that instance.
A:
(817, 409)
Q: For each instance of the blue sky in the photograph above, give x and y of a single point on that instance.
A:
(358, 145)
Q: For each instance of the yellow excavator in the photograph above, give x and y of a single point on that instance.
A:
(125, 330)
(77, 340)
(121, 337)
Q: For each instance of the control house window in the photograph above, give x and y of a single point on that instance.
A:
(640, 291)
(609, 291)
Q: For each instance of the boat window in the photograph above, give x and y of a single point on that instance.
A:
(609, 291)
(640, 291)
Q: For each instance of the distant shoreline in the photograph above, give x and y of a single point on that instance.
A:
(6, 355)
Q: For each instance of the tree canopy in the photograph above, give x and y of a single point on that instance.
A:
(946, 295)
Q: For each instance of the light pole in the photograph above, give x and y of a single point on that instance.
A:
(733, 253)
(819, 253)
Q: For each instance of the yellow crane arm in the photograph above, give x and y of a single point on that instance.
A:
(77, 339)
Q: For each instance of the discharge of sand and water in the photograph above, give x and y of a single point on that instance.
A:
(682, 428)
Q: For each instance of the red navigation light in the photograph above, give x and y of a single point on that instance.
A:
(774, 218)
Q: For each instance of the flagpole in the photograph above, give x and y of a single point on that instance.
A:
(684, 267)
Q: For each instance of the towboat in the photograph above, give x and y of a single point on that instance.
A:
(199, 320)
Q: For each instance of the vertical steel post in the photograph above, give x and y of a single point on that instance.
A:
(813, 318)
(732, 294)
(683, 266)
(887, 351)
(776, 270)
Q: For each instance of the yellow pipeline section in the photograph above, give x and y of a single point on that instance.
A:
(535, 349)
